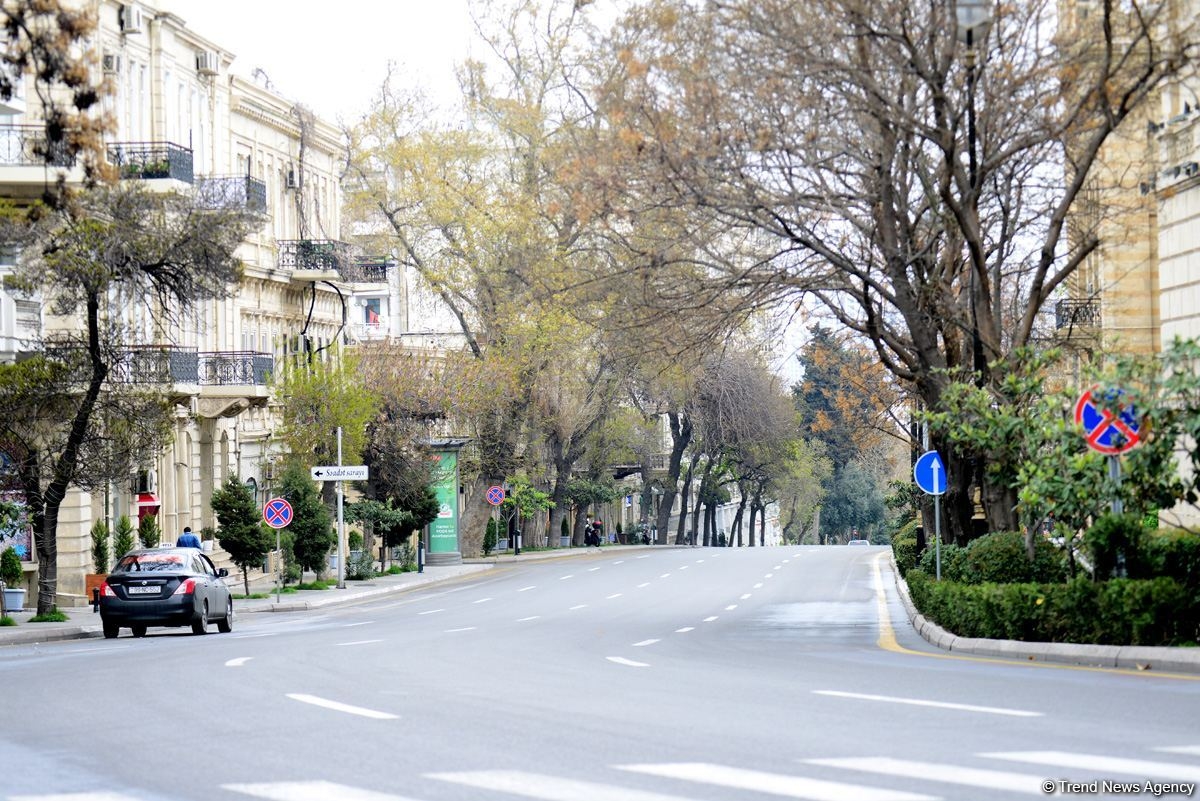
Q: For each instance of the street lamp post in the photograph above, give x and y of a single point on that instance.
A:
(973, 19)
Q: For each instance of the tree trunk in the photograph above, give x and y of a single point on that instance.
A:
(562, 474)
(753, 519)
(737, 516)
(581, 523)
(681, 437)
(686, 500)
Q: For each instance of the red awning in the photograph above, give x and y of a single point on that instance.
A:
(146, 499)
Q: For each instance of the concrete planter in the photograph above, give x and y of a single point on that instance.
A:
(14, 600)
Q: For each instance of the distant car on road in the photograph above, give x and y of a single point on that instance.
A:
(165, 587)
(859, 542)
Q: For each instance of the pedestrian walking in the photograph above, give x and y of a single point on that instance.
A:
(187, 539)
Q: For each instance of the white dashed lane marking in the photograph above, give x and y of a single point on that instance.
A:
(685, 629)
(620, 660)
(644, 643)
(710, 618)
(527, 589)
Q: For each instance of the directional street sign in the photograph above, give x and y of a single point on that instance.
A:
(335, 472)
(495, 495)
(930, 473)
(277, 513)
(1108, 431)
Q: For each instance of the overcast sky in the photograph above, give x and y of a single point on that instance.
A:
(333, 56)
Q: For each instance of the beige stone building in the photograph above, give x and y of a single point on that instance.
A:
(183, 121)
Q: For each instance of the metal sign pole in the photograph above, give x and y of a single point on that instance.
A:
(341, 531)
(1114, 472)
(937, 525)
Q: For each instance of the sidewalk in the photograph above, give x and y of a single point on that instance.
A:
(82, 623)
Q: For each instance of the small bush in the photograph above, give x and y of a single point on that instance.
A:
(489, 537)
(53, 616)
(905, 549)
(7, 621)
(407, 557)
(953, 562)
(10, 569)
(100, 554)
(123, 541)
(360, 566)
(319, 584)
(1114, 545)
(1173, 554)
(355, 541)
(149, 532)
(1000, 558)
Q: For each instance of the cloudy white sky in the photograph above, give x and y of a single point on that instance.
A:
(333, 56)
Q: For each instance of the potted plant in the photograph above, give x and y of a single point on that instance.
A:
(14, 580)
(100, 559)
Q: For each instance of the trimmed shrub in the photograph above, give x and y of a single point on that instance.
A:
(1000, 558)
(149, 532)
(489, 536)
(123, 541)
(1119, 612)
(905, 549)
(1173, 554)
(1114, 545)
(100, 553)
(10, 569)
(953, 561)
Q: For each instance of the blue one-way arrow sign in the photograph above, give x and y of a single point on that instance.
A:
(930, 473)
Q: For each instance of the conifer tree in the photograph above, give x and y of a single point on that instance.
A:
(242, 533)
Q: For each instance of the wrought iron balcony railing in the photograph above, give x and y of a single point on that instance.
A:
(225, 368)
(232, 192)
(147, 160)
(319, 255)
(27, 146)
(156, 364)
(367, 271)
(1070, 313)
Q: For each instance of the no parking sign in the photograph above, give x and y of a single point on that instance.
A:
(1109, 432)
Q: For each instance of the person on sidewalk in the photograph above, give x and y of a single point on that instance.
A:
(187, 539)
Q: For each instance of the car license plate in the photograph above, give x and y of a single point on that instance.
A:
(144, 590)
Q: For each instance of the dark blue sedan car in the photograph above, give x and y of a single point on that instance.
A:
(165, 587)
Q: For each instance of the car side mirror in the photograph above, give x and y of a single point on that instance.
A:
(222, 572)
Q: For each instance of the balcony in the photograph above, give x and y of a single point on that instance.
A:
(156, 364)
(235, 368)
(26, 159)
(315, 258)
(232, 192)
(152, 160)
(367, 271)
(1071, 313)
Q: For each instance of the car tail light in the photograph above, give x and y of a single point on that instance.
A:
(106, 591)
(186, 587)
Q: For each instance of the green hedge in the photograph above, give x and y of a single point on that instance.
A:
(998, 557)
(905, 549)
(1158, 611)
(1173, 554)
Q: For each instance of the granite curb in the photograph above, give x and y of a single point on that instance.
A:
(1137, 657)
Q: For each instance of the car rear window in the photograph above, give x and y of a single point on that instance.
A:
(149, 563)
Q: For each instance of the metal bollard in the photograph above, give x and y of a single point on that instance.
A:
(420, 556)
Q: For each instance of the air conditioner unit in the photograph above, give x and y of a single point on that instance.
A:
(131, 18)
(110, 63)
(207, 62)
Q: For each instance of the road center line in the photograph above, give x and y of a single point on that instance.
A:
(360, 642)
(526, 619)
(241, 660)
(527, 589)
(620, 660)
(644, 643)
(991, 710)
(340, 707)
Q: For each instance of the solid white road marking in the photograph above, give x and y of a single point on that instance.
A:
(744, 597)
(991, 710)
(731, 607)
(950, 774)
(577, 606)
(241, 660)
(309, 791)
(685, 629)
(340, 707)
(620, 660)
(531, 617)
(644, 643)
(548, 788)
(1190, 750)
(431, 611)
(359, 642)
(1103, 765)
(710, 618)
(73, 797)
(464, 628)
(481, 601)
(614, 595)
(773, 783)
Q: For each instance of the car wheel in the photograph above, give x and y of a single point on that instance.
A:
(138, 631)
(200, 624)
(111, 630)
(225, 624)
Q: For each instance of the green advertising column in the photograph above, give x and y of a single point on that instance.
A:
(443, 531)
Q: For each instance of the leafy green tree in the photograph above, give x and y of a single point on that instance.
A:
(382, 519)
(525, 499)
(243, 534)
(123, 537)
(311, 528)
(148, 531)
(100, 552)
(855, 502)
